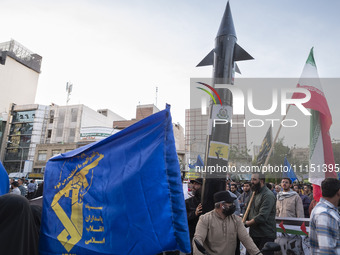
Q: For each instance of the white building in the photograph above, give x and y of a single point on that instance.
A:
(74, 123)
(31, 128)
(19, 74)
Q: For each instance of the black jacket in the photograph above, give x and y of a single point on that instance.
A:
(191, 205)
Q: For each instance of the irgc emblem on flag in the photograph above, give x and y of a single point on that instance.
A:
(121, 195)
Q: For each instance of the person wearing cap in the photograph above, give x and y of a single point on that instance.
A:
(219, 229)
(193, 206)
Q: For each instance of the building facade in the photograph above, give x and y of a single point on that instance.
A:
(25, 128)
(70, 127)
(71, 123)
(143, 111)
(19, 74)
(196, 130)
(300, 154)
(34, 133)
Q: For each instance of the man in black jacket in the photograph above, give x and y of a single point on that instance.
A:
(194, 206)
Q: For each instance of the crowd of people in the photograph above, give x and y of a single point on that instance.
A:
(221, 229)
(20, 227)
(26, 188)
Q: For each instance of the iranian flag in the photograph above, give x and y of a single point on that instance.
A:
(321, 158)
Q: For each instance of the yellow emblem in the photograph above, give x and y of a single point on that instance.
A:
(75, 189)
(218, 150)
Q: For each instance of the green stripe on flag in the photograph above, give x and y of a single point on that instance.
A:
(315, 131)
(290, 231)
(310, 59)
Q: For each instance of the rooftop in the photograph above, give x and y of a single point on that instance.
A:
(23, 55)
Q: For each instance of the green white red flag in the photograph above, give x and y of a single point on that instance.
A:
(303, 228)
(321, 157)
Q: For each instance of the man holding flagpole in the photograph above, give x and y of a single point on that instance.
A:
(261, 218)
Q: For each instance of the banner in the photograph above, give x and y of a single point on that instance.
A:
(265, 147)
(4, 181)
(121, 195)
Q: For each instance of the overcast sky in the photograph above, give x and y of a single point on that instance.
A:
(117, 52)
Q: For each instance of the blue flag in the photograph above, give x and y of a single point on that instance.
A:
(4, 181)
(121, 195)
(199, 162)
(290, 173)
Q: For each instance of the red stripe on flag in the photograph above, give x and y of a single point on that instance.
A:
(316, 192)
(281, 226)
(303, 228)
(317, 102)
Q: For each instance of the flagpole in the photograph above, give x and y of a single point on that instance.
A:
(205, 161)
(276, 136)
(265, 164)
(245, 216)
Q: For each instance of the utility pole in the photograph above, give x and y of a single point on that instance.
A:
(68, 90)
(156, 95)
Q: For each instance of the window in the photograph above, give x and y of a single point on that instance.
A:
(60, 132)
(61, 118)
(16, 154)
(49, 133)
(72, 133)
(42, 155)
(25, 140)
(74, 114)
(55, 152)
(25, 116)
(51, 116)
(21, 129)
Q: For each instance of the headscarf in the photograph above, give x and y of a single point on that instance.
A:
(19, 234)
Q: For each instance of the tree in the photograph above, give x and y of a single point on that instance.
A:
(277, 160)
(336, 152)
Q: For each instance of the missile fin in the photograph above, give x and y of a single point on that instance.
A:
(240, 54)
(237, 70)
(208, 60)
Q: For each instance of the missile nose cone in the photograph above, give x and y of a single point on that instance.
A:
(227, 24)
